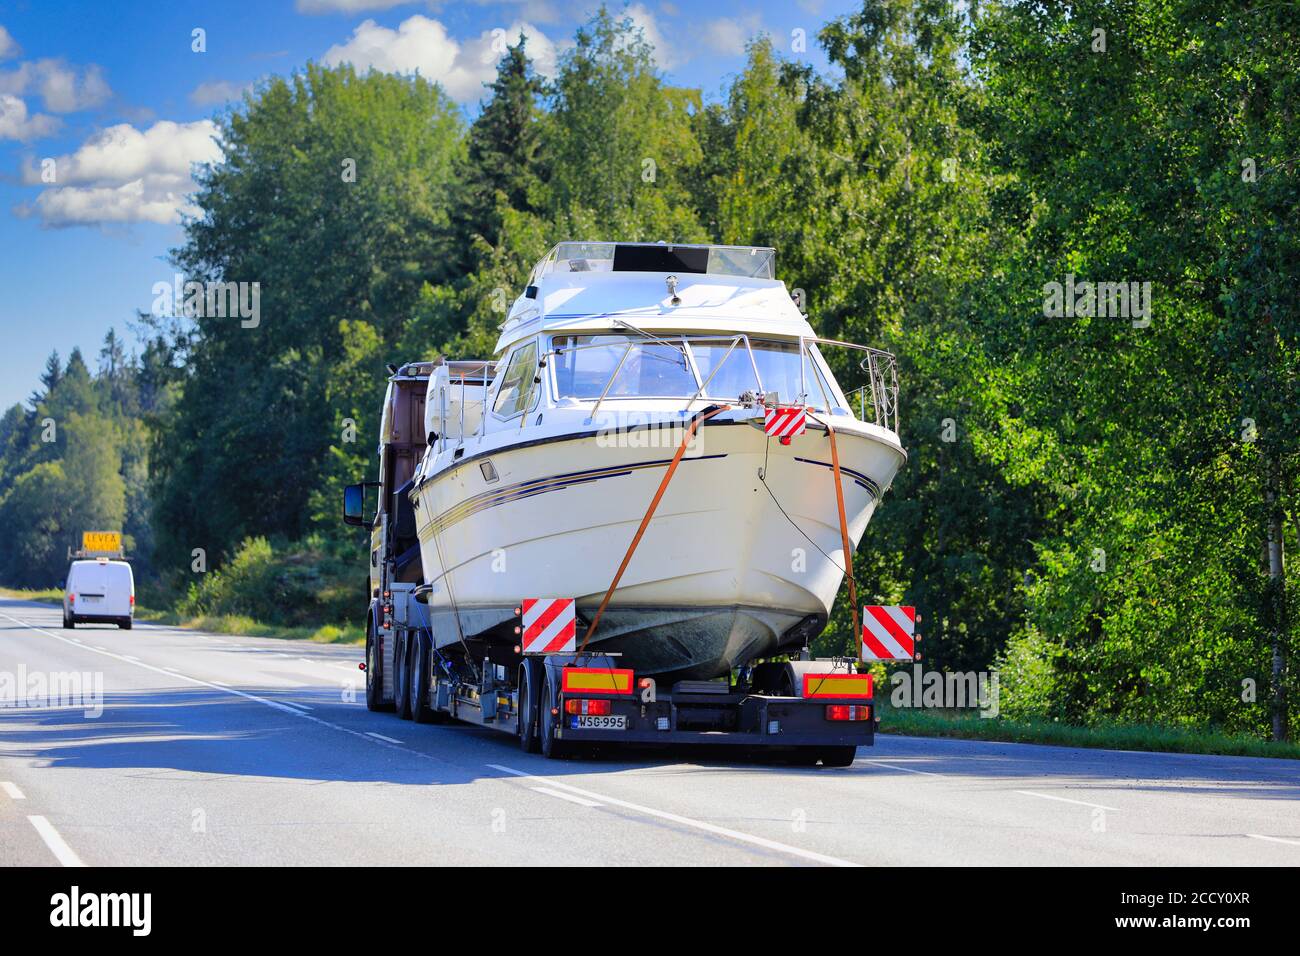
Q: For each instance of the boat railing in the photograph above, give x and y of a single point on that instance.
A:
(877, 399)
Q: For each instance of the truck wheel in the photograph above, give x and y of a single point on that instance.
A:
(374, 674)
(67, 622)
(401, 686)
(126, 624)
(421, 711)
(528, 705)
(552, 749)
(838, 756)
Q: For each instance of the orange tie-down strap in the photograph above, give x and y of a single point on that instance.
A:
(650, 513)
(844, 529)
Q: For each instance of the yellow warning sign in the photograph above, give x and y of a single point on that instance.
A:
(106, 541)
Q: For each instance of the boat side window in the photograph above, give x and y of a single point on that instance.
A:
(645, 369)
(516, 391)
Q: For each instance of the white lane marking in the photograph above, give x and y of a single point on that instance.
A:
(294, 703)
(346, 667)
(371, 733)
(194, 680)
(1260, 836)
(581, 801)
(220, 683)
(58, 846)
(881, 763)
(101, 647)
(12, 790)
(685, 821)
(1082, 803)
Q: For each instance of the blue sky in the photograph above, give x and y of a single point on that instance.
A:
(115, 95)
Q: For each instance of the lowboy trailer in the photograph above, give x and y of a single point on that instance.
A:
(813, 711)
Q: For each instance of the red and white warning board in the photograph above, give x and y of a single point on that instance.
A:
(550, 626)
(784, 422)
(888, 633)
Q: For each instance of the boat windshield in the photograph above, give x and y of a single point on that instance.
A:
(645, 368)
(675, 366)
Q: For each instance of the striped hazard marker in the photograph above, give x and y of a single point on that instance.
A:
(784, 422)
(550, 626)
(888, 633)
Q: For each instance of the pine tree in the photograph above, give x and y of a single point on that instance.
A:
(50, 378)
(501, 153)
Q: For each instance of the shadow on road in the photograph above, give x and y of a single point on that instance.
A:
(212, 732)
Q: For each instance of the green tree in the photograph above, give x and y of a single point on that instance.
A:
(333, 196)
(501, 166)
(1169, 441)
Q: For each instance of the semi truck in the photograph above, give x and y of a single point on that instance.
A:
(429, 670)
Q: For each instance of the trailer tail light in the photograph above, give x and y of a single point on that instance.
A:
(848, 712)
(594, 708)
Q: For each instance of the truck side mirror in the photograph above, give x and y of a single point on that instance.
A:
(354, 505)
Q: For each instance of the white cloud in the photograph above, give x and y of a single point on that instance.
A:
(125, 175)
(727, 36)
(422, 45)
(62, 87)
(345, 6)
(8, 45)
(16, 124)
(217, 92)
(667, 53)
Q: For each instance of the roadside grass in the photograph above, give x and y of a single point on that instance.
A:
(968, 725)
(216, 624)
(47, 596)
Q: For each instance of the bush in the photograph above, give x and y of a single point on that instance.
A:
(288, 586)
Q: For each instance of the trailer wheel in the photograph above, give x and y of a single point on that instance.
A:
(552, 748)
(421, 711)
(401, 686)
(528, 705)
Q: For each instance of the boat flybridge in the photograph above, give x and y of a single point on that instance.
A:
(660, 438)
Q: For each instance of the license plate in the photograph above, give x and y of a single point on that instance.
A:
(591, 722)
(90, 598)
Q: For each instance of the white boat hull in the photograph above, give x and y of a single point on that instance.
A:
(721, 575)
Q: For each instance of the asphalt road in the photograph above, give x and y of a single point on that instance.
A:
(214, 750)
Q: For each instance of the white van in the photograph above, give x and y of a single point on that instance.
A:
(99, 591)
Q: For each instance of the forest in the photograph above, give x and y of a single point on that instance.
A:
(1076, 224)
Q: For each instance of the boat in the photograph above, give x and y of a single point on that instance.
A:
(618, 364)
